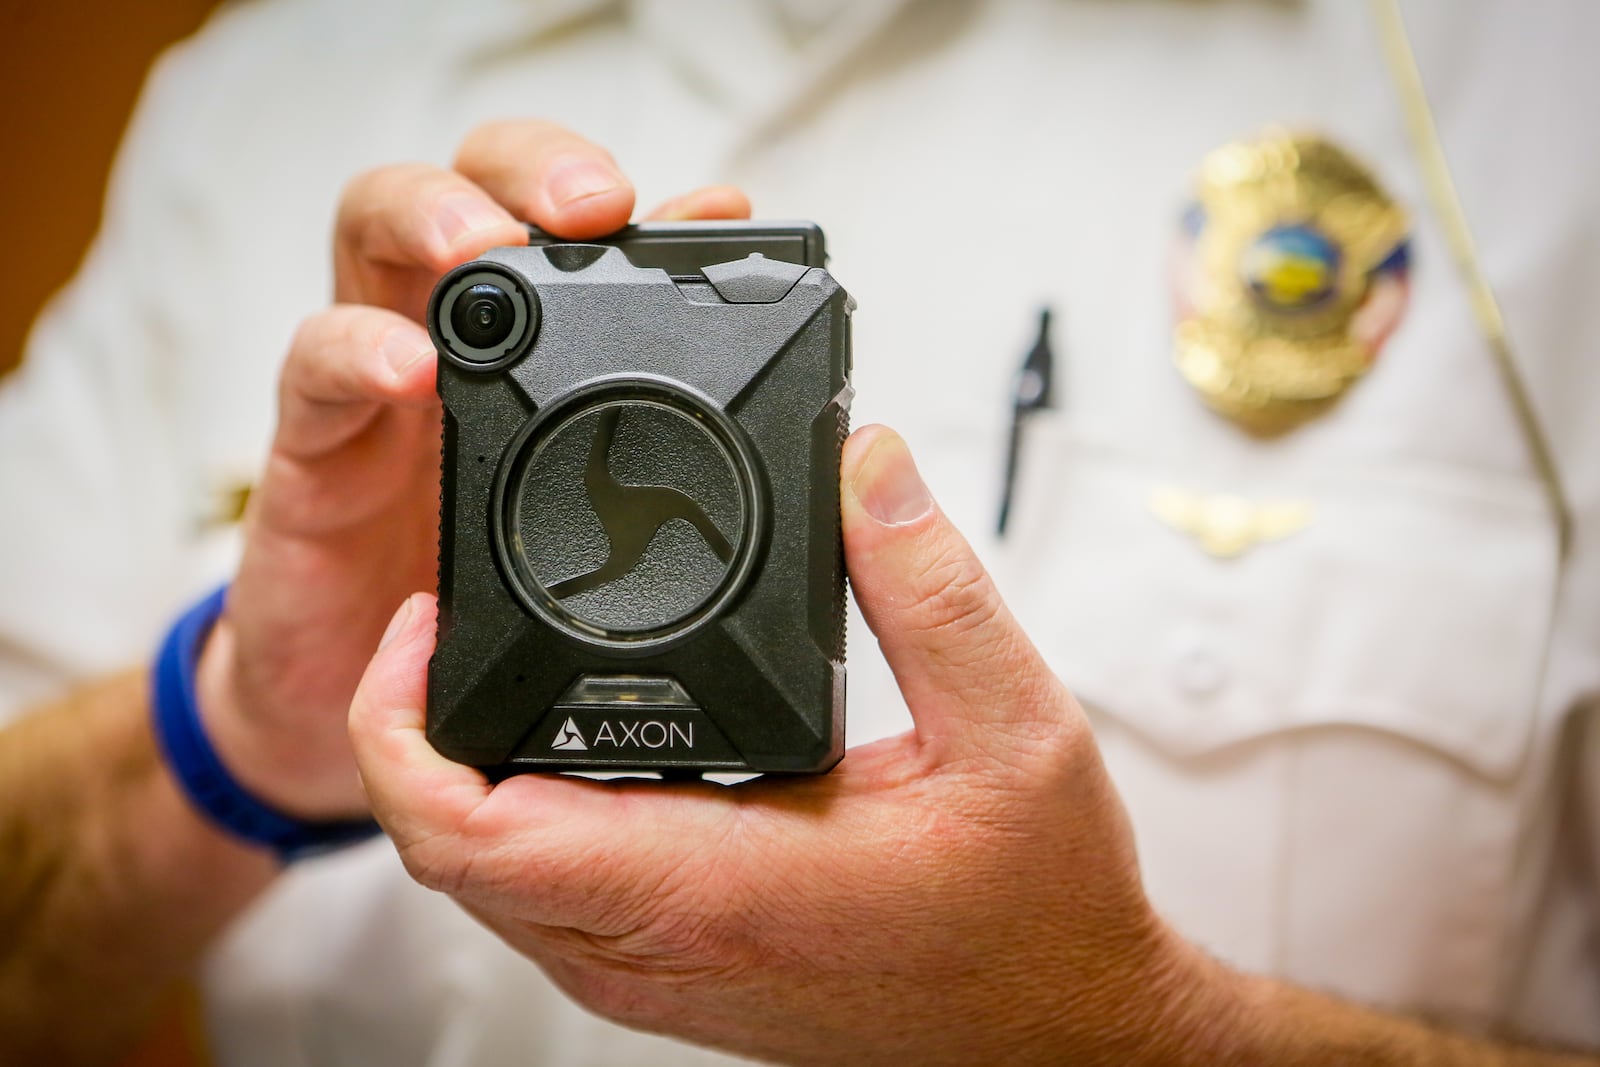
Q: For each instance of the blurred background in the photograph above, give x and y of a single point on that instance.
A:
(69, 76)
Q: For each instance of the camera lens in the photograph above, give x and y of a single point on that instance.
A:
(483, 316)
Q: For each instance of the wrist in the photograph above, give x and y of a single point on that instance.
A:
(273, 765)
(1204, 1010)
(1182, 1007)
(191, 755)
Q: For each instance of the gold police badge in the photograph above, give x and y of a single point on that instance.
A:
(1291, 274)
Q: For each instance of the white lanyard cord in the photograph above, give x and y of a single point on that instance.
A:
(1446, 204)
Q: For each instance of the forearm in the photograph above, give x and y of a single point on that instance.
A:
(111, 884)
(1270, 1022)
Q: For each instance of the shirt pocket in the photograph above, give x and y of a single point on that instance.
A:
(1325, 742)
(1415, 600)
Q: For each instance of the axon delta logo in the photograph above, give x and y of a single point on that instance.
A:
(625, 733)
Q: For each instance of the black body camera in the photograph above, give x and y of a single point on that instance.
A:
(640, 563)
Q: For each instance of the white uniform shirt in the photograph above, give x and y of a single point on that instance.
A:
(1362, 757)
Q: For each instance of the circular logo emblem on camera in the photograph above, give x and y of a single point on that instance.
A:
(482, 318)
(628, 514)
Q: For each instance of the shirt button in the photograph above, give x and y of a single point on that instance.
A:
(1197, 668)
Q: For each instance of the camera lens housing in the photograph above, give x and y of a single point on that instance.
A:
(482, 318)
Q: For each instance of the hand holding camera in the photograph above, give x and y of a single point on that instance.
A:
(344, 521)
(967, 893)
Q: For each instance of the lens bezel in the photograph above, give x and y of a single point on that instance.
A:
(737, 449)
(525, 325)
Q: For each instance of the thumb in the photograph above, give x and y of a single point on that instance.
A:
(550, 849)
(961, 661)
(417, 795)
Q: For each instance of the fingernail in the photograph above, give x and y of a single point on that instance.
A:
(401, 620)
(888, 485)
(460, 214)
(581, 178)
(404, 347)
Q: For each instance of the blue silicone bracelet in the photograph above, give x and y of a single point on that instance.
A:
(176, 714)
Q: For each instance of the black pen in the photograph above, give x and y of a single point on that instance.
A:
(1031, 393)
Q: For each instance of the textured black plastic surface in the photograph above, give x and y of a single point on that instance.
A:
(685, 249)
(640, 560)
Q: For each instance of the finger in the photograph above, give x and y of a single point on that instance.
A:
(548, 175)
(961, 660)
(596, 856)
(712, 202)
(345, 364)
(416, 794)
(400, 227)
(552, 850)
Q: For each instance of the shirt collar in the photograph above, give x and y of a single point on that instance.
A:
(760, 62)
(749, 59)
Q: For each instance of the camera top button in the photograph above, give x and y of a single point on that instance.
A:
(754, 279)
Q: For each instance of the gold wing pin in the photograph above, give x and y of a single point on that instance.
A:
(224, 502)
(1224, 525)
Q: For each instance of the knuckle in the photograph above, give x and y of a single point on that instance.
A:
(306, 340)
(958, 598)
(299, 499)
(317, 329)
(668, 932)
(433, 866)
(686, 940)
(624, 898)
(488, 140)
(611, 995)
(386, 215)
(355, 330)
(728, 200)
(371, 188)
(678, 950)
(306, 349)
(358, 193)
(329, 338)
